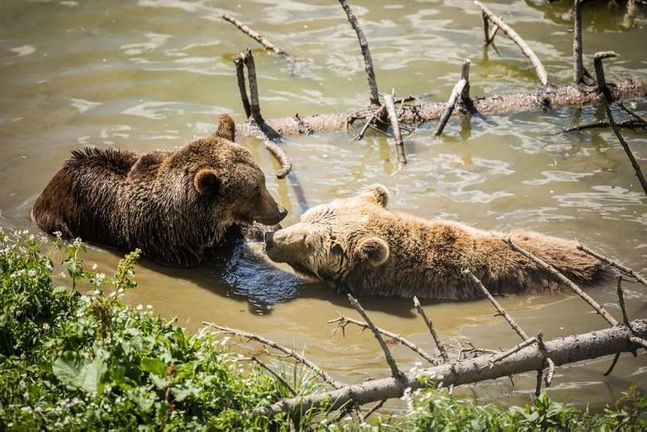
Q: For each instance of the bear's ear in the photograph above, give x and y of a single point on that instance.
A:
(373, 250)
(226, 128)
(206, 181)
(378, 194)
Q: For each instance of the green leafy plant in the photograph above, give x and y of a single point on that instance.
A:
(89, 362)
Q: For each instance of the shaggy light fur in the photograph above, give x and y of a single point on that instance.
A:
(174, 206)
(359, 246)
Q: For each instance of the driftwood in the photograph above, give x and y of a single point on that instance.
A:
(389, 103)
(523, 46)
(366, 54)
(564, 350)
(256, 124)
(580, 74)
(607, 100)
(417, 114)
(257, 37)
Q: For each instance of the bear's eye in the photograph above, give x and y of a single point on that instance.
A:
(337, 250)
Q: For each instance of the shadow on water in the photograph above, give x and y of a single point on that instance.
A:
(242, 271)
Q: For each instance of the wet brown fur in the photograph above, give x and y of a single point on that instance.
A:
(357, 245)
(173, 205)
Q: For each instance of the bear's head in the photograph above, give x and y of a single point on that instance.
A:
(333, 239)
(222, 180)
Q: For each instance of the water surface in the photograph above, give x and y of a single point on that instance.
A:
(153, 74)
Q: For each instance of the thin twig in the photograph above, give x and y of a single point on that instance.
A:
(255, 107)
(277, 376)
(467, 104)
(595, 305)
(539, 67)
(253, 111)
(549, 362)
(580, 74)
(513, 350)
(628, 124)
(540, 374)
(621, 301)
(239, 61)
(487, 37)
(613, 364)
(430, 326)
(606, 101)
(257, 37)
(449, 107)
(368, 62)
(301, 359)
(378, 113)
(552, 270)
(376, 407)
(395, 372)
(497, 305)
(626, 270)
(395, 125)
(343, 321)
(631, 112)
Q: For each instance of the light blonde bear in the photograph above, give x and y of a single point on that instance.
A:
(358, 246)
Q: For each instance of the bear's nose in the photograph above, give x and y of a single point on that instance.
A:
(282, 212)
(269, 239)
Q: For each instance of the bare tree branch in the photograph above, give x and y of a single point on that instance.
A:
(257, 37)
(395, 125)
(343, 321)
(298, 357)
(430, 326)
(626, 270)
(255, 122)
(607, 100)
(497, 305)
(525, 49)
(277, 376)
(566, 281)
(395, 372)
(368, 62)
(562, 351)
(580, 74)
(449, 107)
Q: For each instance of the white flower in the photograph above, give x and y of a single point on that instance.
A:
(139, 307)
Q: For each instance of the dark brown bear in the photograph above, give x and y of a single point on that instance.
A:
(174, 206)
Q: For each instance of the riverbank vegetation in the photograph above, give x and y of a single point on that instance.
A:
(72, 361)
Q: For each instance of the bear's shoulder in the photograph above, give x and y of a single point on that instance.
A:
(119, 161)
(149, 162)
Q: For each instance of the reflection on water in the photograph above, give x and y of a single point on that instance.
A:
(250, 275)
(155, 73)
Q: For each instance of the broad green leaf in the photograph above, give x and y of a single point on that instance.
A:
(153, 365)
(67, 368)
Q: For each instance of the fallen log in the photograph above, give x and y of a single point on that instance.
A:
(569, 349)
(417, 114)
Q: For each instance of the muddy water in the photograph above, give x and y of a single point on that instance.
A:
(154, 74)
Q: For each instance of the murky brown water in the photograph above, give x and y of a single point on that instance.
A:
(153, 74)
